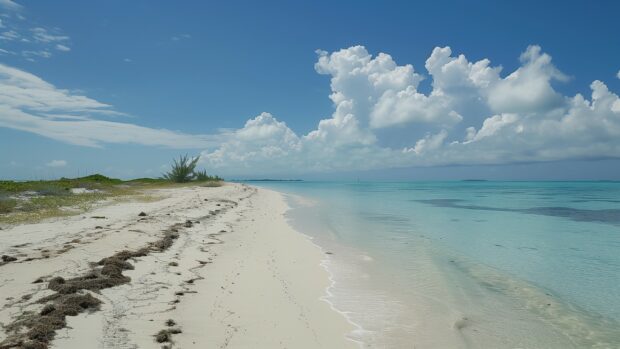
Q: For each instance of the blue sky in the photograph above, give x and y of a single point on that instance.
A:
(129, 85)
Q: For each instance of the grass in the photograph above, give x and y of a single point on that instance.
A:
(7, 205)
(33, 201)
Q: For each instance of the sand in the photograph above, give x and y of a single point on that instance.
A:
(237, 276)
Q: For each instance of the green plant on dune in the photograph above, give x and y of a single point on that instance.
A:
(7, 205)
(202, 176)
(182, 169)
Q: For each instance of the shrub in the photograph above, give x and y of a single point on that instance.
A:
(182, 169)
(202, 176)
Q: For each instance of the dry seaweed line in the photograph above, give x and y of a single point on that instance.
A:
(35, 330)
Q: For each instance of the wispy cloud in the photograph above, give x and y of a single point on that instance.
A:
(63, 48)
(43, 35)
(9, 35)
(181, 37)
(10, 5)
(32, 42)
(30, 104)
(56, 163)
(31, 55)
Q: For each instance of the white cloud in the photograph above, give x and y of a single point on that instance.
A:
(9, 35)
(57, 163)
(32, 41)
(429, 142)
(28, 103)
(63, 48)
(528, 89)
(10, 5)
(43, 35)
(473, 115)
(181, 37)
(618, 74)
(31, 55)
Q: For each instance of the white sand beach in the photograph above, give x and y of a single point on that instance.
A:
(236, 274)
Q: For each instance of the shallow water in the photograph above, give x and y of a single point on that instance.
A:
(469, 264)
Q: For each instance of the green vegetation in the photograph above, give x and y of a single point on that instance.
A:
(32, 201)
(184, 170)
(202, 176)
(7, 205)
(59, 185)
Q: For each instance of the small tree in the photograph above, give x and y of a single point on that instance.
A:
(182, 169)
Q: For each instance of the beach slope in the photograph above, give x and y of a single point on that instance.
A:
(200, 268)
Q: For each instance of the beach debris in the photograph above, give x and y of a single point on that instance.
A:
(188, 224)
(173, 264)
(165, 336)
(73, 296)
(170, 323)
(7, 259)
(329, 252)
(98, 217)
(142, 214)
(41, 327)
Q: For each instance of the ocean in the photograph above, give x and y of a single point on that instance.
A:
(468, 264)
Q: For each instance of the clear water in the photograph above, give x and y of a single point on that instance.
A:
(469, 264)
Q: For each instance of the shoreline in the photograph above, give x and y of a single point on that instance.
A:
(442, 298)
(239, 275)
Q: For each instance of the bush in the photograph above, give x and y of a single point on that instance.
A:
(182, 169)
(202, 176)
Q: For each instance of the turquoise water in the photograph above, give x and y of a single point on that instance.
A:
(525, 258)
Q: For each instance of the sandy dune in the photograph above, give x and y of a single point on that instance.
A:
(237, 276)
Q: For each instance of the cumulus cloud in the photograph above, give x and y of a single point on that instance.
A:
(474, 114)
(57, 163)
(28, 103)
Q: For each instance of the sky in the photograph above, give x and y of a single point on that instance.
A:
(392, 90)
